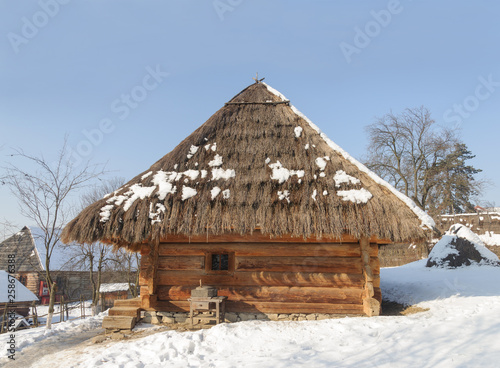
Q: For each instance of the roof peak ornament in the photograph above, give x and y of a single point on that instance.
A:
(256, 79)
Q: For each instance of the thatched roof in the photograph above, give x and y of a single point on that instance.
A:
(256, 163)
(28, 247)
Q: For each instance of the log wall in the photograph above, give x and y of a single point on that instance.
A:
(270, 275)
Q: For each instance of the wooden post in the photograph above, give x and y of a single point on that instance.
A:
(61, 307)
(4, 320)
(371, 306)
(151, 274)
(34, 313)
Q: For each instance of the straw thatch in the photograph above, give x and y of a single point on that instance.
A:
(255, 163)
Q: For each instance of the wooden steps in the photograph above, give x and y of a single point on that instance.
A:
(136, 302)
(125, 311)
(118, 322)
(124, 315)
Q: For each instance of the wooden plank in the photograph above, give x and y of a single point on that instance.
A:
(266, 307)
(271, 294)
(258, 237)
(300, 264)
(265, 249)
(177, 263)
(260, 279)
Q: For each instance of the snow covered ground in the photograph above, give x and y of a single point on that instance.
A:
(460, 329)
(75, 311)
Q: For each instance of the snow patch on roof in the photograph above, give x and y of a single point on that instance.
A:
(192, 151)
(355, 195)
(321, 162)
(109, 288)
(137, 191)
(146, 175)
(215, 192)
(284, 195)
(425, 219)
(219, 173)
(22, 294)
(282, 174)
(163, 179)
(188, 192)
(217, 161)
(298, 131)
(341, 177)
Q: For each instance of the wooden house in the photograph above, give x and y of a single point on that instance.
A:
(28, 251)
(259, 203)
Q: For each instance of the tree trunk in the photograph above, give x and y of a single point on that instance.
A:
(52, 301)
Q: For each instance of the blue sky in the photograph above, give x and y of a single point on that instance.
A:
(67, 67)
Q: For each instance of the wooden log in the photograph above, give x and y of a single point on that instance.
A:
(271, 294)
(300, 264)
(266, 249)
(371, 306)
(375, 265)
(258, 237)
(118, 322)
(177, 262)
(260, 279)
(270, 307)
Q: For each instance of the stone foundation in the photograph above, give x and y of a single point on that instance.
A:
(179, 317)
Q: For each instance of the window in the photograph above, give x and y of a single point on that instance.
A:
(219, 263)
(23, 280)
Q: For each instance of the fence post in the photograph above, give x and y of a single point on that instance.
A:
(61, 309)
(34, 314)
(3, 318)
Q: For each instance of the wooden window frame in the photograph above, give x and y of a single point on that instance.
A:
(208, 263)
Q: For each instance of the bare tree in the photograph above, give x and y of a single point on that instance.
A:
(7, 229)
(128, 263)
(94, 257)
(422, 160)
(405, 148)
(43, 191)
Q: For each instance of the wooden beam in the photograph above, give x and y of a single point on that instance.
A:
(240, 278)
(371, 306)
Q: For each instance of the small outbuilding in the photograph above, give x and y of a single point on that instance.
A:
(260, 204)
(109, 292)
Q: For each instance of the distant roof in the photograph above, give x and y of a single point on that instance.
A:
(109, 288)
(28, 246)
(258, 162)
(22, 293)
